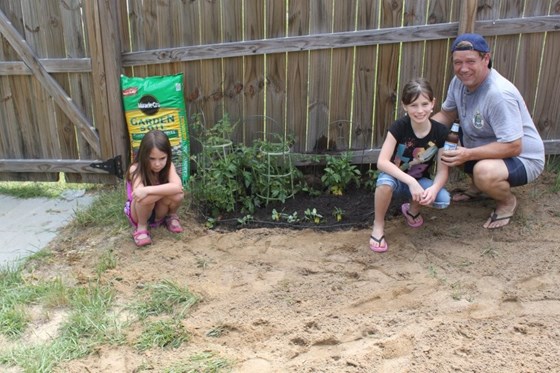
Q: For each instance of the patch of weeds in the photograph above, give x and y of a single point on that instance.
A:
(90, 321)
(55, 294)
(202, 263)
(457, 291)
(206, 362)
(165, 298)
(88, 325)
(465, 263)
(216, 331)
(107, 261)
(13, 321)
(16, 293)
(162, 334)
(432, 271)
(489, 251)
(105, 211)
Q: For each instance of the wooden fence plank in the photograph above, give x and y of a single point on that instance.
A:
(437, 68)
(341, 81)
(321, 14)
(547, 107)
(63, 131)
(211, 70)
(297, 75)
(80, 86)
(276, 71)
(233, 67)
(365, 78)
(527, 75)
(254, 70)
(412, 53)
(137, 27)
(39, 104)
(506, 47)
(388, 70)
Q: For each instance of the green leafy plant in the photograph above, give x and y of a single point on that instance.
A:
(338, 213)
(274, 173)
(290, 218)
(371, 179)
(339, 173)
(217, 134)
(313, 215)
(245, 220)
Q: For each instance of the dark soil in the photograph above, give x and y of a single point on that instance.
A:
(357, 205)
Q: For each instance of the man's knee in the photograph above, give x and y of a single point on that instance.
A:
(488, 173)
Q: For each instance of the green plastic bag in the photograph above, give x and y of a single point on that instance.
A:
(157, 102)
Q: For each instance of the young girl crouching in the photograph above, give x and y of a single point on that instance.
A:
(153, 188)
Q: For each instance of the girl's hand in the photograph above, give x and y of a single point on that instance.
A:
(428, 197)
(416, 191)
(139, 194)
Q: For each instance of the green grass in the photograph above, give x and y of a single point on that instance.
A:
(162, 334)
(105, 211)
(34, 189)
(92, 320)
(165, 298)
(92, 317)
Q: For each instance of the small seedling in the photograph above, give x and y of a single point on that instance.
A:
(210, 223)
(245, 220)
(338, 213)
(313, 215)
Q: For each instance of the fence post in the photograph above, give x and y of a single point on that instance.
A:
(105, 50)
(467, 16)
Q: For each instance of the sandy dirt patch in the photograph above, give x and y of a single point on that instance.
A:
(448, 297)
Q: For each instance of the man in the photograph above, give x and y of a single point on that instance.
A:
(501, 147)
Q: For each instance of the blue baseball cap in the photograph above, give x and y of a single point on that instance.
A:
(469, 42)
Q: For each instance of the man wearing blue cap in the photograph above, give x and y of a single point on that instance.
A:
(501, 147)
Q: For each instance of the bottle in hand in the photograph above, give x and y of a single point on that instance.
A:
(452, 140)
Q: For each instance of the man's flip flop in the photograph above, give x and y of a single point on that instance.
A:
(494, 217)
(413, 221)
(379, 248)
(465, 195)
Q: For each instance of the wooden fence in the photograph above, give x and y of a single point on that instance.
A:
(327, 72)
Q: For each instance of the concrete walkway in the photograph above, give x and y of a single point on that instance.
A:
(28, 225)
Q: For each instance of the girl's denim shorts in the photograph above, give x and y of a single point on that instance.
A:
(400, 189)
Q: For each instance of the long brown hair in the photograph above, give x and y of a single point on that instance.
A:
(153, 139)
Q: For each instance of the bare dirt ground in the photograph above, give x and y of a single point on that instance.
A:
(447, 297)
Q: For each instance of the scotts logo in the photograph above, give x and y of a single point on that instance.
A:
(148, 105)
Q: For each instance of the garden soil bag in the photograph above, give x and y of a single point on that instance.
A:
(157, 102)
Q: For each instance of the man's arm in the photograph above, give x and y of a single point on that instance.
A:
(494, 150)
(445, 117)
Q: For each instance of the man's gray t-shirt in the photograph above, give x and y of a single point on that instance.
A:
(496, 111)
